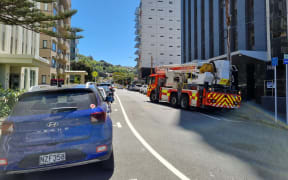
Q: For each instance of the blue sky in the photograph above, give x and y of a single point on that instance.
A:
(108, 29)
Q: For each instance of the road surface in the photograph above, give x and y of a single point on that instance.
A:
(155, 141)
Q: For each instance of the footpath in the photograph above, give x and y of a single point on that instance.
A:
(253, 112)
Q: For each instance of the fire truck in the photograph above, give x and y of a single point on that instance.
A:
(205, 84)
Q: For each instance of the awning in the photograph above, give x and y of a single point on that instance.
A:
(258, 55)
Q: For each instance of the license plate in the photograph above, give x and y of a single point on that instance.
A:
(52, 158)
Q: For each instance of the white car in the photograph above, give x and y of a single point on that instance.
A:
(137, 87)
(143, 89)
(103, 92)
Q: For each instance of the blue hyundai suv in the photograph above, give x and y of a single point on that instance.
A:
(56, 128)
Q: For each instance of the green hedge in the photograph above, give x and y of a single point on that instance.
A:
(8, 98)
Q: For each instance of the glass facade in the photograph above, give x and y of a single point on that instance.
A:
(278, 24)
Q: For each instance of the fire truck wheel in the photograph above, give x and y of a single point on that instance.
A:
(153, 98)
(174, 100)
(184, 102)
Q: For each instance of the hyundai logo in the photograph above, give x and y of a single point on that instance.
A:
(52, 124)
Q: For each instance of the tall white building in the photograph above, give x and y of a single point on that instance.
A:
(158, 34)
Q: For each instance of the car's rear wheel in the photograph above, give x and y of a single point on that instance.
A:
(109, 163)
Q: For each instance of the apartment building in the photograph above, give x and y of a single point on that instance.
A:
(56, 50)
(158, 34)
(19, 57)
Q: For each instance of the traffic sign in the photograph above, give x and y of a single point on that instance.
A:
(95, 74)
(285, 60)
(275, 61)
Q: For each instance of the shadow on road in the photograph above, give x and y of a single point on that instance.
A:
(263, 148)
(87, 172)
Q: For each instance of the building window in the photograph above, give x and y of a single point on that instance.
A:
(170, 11)
(54, 11)
(234, 34)
(161, 18)
(53, 63)
(45, 44)
(161, 36)
(170, 2)
(43, 79)
(3, 37)
(195, 30)
(161, 54)
(221, 27)
(54, 47)
(32, 78)
(45, 7)
(150, 18)
(152, 9)
(250, 24)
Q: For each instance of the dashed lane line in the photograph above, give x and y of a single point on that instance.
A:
(167, 164)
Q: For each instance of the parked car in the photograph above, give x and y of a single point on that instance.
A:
(137, 87)
(56, 128)
(103, 92)
(143, 89)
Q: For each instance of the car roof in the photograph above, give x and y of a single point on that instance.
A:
(76, 89)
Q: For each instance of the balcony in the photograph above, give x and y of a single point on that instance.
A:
(137, 45)
(137, 52)
(137, 39)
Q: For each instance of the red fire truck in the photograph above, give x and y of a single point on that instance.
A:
(201, 85)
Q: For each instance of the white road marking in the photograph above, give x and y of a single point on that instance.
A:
(115, 110)
(212, 117)
(221, 119)
(167, 164)
(119, 125)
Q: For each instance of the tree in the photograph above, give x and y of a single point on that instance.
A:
(25, 13)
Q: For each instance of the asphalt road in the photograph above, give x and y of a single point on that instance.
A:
(155, 141)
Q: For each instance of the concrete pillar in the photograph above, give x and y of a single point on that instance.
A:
(7, 76)
(207, 29)
(241, 28)
(260, 25)
(192, 28)
(199, 22)
(216, 27)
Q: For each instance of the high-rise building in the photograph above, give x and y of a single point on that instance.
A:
(56, 50)
(158, 34)
(19, 57)
(204, 33)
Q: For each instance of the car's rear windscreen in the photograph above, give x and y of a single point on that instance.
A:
(46, 102)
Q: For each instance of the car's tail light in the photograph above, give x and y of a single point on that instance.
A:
(101, 148)
(98, 117)
(3, 162)
(7, 128)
